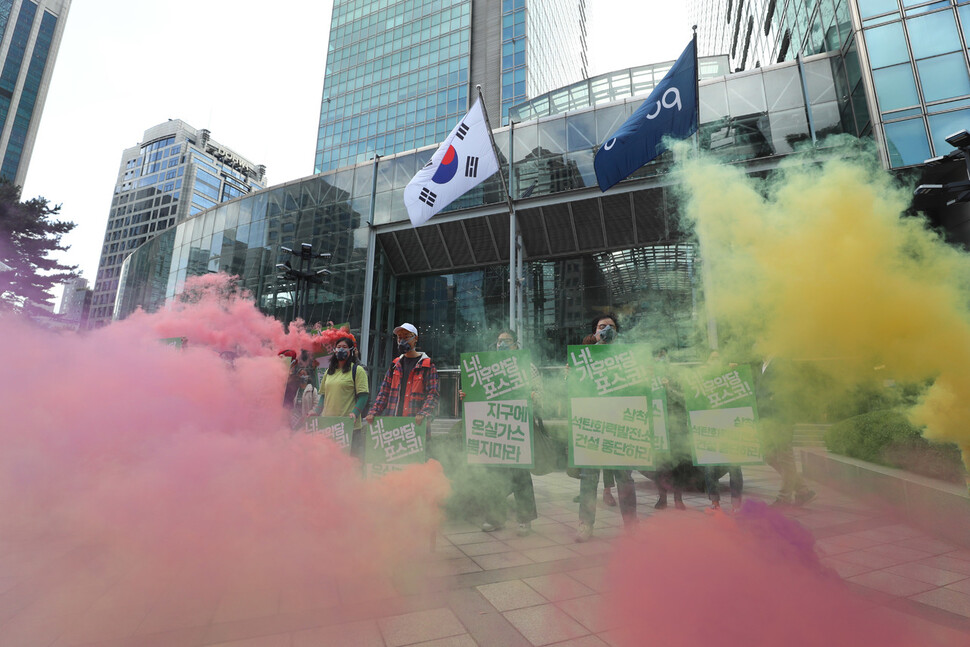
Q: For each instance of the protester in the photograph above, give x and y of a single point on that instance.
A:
(410, 387)
(290, 389)
(503, 481)
(713, 473)
(776, 430)
(306, 397)
(605, 329)
(674, 469)
(344, 390)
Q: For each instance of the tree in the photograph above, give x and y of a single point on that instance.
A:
(28, 233)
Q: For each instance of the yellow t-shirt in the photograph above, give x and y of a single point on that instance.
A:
(339, 394)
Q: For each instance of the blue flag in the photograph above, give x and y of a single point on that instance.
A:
(669, 111)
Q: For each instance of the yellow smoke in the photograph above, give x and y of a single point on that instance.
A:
(820, 261)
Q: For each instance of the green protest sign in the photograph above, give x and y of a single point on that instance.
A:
(339, 430)
(177, 342)
(610, 393)
(393, 443)
(498, 408)
(722, 414)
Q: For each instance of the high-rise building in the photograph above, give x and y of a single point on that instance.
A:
(400, 73)
(176, 172)
(75, 302)
(31, 37)
(906, 63)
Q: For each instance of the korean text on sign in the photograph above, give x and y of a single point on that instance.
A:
(497, 379)
(397, 442)
(337, 431)
(722, 389)
(611, 373)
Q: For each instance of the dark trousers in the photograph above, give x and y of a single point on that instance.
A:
(589, 480)
(712, 475)
(517, 482)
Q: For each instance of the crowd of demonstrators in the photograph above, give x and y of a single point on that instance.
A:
(515, 481)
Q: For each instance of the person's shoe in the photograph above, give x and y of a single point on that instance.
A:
(781, 501)
(714, 507)
(524, 529)
(661, 503)
(804, 497)
(584, 533)
(492, 527)
(736, 503)
(679, 501)
(608, 498)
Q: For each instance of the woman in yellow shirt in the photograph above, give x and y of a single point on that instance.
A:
(344, 390)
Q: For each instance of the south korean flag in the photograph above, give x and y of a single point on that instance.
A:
(461, 163)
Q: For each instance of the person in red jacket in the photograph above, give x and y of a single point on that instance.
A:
(410, 387)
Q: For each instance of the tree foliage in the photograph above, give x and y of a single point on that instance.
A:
(28, 235)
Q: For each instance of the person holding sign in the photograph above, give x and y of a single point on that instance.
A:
(502, 480)
(605, 330)
(410, 387)
(344, 391)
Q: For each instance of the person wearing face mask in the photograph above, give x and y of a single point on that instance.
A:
(410, 387)
(344, 390)
(306, 397)
(509, 480)
(604, 331)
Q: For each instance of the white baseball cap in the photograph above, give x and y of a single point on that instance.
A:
(408, 327)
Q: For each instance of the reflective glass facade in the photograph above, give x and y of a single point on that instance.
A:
(584, 251)
(31, 34)
(399, 72)
(175, 173)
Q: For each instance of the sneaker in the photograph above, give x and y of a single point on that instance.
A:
(736, 503)
(492, 527)
(679, 504)
(804, 497)
(713, 508)
(524, 529)
(608, 498)
(661, 503)
(584, 533)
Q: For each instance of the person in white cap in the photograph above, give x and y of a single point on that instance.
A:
(410, 387)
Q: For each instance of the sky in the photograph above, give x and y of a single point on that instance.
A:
(248, 70)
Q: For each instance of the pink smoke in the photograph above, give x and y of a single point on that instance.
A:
(752, 580)
(177, 470)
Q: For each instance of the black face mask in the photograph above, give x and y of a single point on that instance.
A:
(404, 346)
(503, 345)
(341, 354)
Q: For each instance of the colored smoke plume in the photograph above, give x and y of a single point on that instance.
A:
(819, 262)
(752, 580)
(156, 473)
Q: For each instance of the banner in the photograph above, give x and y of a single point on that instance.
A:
(339, 430)
(498, 408)
(610, 393)
(393, 443)
(722, 415)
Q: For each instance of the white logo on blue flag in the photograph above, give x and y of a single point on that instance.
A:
(669, 111)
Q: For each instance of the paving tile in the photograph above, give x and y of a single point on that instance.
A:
(485, 548)
(545, 624)
(585, 641)
(928, 574)
(963, 586)
(595, 547)
(250, 604)
(502, 560)
(845, 569)
(354, 634)
(891, 583)
(850, 540)
(558, 586)
(420, 626)
(959, 554)
(927, 545)
(899, 552)
(463, 640)
(451, 567)
(532, 541)
(872, 560)
(448, 552)
(948, 564)
(587, 611)
(278, 640)
(476, 537)
(828, 548)
(549, 553)
(514, 594)
(946, 599)
(594, 577)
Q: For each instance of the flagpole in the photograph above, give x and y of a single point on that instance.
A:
(513, 225)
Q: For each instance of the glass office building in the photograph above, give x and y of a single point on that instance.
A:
(583, 250)
(400, 73)
(175, 173)
(906, 60)
(31, 35)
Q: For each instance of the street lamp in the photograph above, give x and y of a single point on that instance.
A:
(303, 277)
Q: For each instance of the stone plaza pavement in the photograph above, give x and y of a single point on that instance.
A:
(500, 589)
